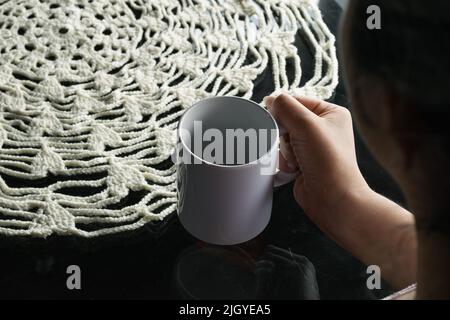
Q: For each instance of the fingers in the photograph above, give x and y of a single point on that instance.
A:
(287, 154)
(316, 106)
(285, 166)
(288, 112)
(268, 101)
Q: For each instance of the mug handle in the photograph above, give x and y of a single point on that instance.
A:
(281, 177)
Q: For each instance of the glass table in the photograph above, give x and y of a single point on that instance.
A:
(291, 259)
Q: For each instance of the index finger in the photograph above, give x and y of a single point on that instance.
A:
(289, 112)
(316, 106)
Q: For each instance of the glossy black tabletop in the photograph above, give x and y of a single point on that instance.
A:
(291, 259)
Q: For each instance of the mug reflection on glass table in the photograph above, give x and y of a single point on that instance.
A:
(227, 156)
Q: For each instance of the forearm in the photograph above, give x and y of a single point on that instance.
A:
(378, 232)
(321, 143)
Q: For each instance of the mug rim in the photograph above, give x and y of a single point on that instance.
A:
(252, 163)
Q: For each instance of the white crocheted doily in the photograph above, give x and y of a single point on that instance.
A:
(91, 91)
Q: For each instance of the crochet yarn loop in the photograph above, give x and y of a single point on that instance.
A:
(91, 92)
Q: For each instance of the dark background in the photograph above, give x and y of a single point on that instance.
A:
(162, 261)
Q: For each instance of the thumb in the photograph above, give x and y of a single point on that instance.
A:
(289, 112)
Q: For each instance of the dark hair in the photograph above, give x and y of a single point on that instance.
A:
(411, 54)
(411, 51)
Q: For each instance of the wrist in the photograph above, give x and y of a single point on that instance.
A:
(348, 201)
(354, 196)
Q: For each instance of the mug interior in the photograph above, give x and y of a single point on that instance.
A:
(228, 131)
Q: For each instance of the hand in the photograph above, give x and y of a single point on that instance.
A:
(320, 144)
(333, 193)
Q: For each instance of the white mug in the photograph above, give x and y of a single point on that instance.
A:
(225, 191)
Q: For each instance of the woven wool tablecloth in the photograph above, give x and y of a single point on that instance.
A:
(91, 91)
